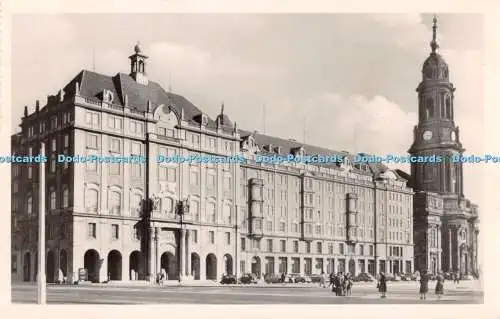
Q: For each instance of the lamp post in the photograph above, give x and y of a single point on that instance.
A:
(182, 208)
(41, 288)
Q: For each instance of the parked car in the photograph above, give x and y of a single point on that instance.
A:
(272, 278)
(366, 277)
(466, 277)
(316, 278)
(229, 280)
(389, 277)
(298, 278)
(248, 279)
(415, 276)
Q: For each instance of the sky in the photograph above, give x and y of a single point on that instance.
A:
(340, 81)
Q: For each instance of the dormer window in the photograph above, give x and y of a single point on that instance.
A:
(277, 150)
(107, 96)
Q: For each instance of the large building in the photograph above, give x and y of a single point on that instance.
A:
(248, 217)
(446, 222)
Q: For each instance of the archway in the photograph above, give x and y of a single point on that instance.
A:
(134, 260)
(195, 266)
(27, 267)
(50, 266)
(91, 263)
(114, 265)
(228, 264)
(256, 267)
(63, 262)
(211, 267)
(168, 263)
(352, 267)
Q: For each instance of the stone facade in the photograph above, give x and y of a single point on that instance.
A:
(243, 217)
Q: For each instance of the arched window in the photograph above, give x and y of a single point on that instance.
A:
(91, 199)
(52, 199)
(65, 196)
(194, 207)
(211, 212)
(227, 214)
(429, 108)
(114, 203)
(168, 205)
(29, 205)
(135, 204)
(448, 107)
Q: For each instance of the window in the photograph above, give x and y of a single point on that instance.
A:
(295, 246)
(195, 210)
(269, 245)
(66, 141)
(52, 199)
(62, 231)
(243, 244)
(115, 145)
(92, 231)
(91, 200)
(53, 163)
(211, 237)
(361, 250)
(135, 127)
(211, 178)
(65, 197)
(269, 225)
(319, 248)
(211, 212)
(308, 247)
(54, 145)
(194, 236)
(114, 168)
(330, 249)
(115, 231)
(341, 248)
(282, 226)
(136, 170)
(13, 263)
(29, 205)
(283, 246)
(114, 202)
(227, 182)
(53, 122)
(92, 141)
(195, 177)
(92, 119)
(228, 238)
(114, 122)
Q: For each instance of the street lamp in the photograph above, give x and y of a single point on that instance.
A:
(182, 208)
(41, 291)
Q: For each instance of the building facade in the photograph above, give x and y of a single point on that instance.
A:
(446, 222)
(243, 217)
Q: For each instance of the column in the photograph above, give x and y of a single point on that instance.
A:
(182, 258)
(157, 251)
(188, 254)
(151, 252)
(458, 254)
(440, 249)
(450, 250)
(302, 267)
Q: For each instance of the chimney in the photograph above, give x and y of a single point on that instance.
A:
(37, 106)
(25, 111)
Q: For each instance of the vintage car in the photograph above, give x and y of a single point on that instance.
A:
(365, 277)
(228, 280)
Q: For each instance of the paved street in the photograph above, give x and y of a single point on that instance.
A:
(399, 293)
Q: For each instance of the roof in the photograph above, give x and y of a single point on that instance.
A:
(287, 145)
(91, 84)
(435, 60)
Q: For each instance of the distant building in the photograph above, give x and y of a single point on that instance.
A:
(446, 224)
(250, 217)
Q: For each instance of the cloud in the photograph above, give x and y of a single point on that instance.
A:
(407, 30)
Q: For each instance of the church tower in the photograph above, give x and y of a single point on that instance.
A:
(436, 132)
(445, 222)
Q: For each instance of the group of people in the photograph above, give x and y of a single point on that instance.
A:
(424, 285)
(341, 283)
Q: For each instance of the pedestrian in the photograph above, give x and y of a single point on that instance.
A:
(424, 285)
(332, 278)
(322, 280)
(338, 285)
(458, 277)
(382, 285)
(439, 286)
(282, 277)
(349, 285)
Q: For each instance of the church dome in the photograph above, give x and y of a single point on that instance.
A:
(137, 48)
(435, 68)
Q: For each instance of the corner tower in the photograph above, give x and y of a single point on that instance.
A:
(436, 132)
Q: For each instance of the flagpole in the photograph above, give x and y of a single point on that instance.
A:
(41, 288)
